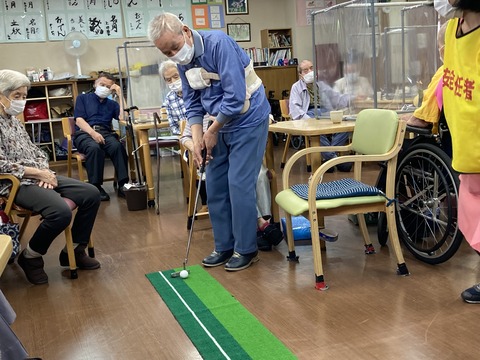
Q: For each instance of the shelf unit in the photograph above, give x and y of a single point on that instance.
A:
(46, 131)
(279, 44)
(277, 80)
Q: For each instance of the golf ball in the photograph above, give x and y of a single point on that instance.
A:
(184, 274)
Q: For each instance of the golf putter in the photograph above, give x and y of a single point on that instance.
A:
(201, 171)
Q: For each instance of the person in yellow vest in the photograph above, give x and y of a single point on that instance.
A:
(461, 101)
(428, 113)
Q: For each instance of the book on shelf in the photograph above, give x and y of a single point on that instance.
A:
(259, 56)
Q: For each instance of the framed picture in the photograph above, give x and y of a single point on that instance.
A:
(239, 32)
(236, 7)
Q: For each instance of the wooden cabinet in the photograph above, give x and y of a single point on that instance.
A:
(279, 44)
(47, 102)
(277, 80)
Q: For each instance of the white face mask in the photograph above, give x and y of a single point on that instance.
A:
(102, 91)
(176, 85)
(446, 10)
(308, 77)
(16, 107)
(185, 55)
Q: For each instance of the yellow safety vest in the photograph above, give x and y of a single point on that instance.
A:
(461, 96)
(429, 110)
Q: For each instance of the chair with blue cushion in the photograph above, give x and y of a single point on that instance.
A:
(378, 137)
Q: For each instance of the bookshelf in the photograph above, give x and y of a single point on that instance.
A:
(44, 125)
(278, 43)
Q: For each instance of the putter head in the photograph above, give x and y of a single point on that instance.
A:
(175, 274)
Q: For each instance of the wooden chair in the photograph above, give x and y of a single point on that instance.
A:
(68, 127)
(378, 137)
(286, 117)
(14, 212)
(190, 183)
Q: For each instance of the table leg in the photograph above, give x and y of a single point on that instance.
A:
(147, 169)
(131, 159)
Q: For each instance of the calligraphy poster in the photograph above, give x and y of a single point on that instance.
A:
(97, 19)
(138, 13)
(22, 21)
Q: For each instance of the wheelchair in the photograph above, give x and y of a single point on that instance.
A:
(426, 193)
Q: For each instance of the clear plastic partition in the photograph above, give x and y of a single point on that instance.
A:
(139, 61)
(383, 54)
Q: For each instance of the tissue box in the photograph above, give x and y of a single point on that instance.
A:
(301, 230)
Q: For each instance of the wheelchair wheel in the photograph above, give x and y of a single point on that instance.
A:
(426, 189)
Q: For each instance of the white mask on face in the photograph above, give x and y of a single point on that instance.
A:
(308, 77)
(102, 91)
(176, 85)
(16, 107)
(446, 10)
(185, 55)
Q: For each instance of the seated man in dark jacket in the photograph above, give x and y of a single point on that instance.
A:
(95, 137)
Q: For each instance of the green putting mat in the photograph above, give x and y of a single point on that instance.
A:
(218, 325)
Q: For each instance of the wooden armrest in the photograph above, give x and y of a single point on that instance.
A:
(9, 201)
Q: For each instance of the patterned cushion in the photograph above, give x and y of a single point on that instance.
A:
(337, 189)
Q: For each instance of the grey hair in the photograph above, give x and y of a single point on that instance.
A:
(11, 80)
(164, 66)
(166, 22)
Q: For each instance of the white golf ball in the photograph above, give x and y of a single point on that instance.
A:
(184, 274)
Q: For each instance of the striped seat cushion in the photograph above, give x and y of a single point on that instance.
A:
(337, 189)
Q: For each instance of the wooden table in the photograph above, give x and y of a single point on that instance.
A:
(393, 104)
(141, 135)
(310, 128)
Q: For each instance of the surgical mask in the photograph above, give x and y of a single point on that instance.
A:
(16, 107)
(308, 77)
(185, 55)
(176, 85)
(102, 92)
(446, 10)
(352, 77)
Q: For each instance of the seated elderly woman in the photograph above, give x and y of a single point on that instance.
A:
(41, 190)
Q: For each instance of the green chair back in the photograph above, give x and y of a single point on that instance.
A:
(375, 131)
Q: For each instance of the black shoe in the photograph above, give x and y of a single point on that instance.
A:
(273, 234)
(33, 269)
(262, 243)
(217, 258)
(103, 194)
(239, 262)
(121, 193)
(345, 167)
(472, 295)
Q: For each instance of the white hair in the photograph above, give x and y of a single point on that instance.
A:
(164, 66)
(166, 22)
(11, 80)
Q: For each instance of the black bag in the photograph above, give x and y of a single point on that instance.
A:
(11, 229)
